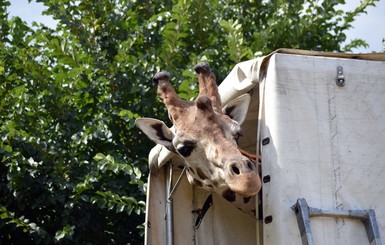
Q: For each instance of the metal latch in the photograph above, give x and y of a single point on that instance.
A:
(340, 77)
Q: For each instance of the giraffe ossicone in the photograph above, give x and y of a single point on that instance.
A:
(205, 136)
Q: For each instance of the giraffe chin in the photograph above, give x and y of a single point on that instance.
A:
(245, 185)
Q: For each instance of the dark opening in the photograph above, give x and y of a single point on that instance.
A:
(235, 169)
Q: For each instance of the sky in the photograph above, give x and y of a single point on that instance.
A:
(368, 27)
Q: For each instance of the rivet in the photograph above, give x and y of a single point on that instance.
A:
(268, 219)
(266, 141)
(266, 179)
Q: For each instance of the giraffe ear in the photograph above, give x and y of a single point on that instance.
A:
(157, 131)
(237, 108)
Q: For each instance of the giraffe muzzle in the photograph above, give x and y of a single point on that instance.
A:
(242, 177)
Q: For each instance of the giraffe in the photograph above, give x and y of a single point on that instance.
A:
(205, 136)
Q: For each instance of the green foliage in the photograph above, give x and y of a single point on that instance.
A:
(236, 46)
(73, 167)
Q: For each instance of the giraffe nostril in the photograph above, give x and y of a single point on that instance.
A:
(235, 169)
(250, 165)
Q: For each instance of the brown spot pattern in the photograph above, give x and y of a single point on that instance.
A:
(201, 174)
(229, 195)
(191, 170)
(215, 183)
(246, 199)
(197, 182)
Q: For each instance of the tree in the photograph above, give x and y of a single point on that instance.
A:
(73, 167)
(383, 45)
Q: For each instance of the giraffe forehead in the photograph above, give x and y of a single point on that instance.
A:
(213, 138)
(208, 123)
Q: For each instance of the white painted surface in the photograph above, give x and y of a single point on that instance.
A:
(326, 145)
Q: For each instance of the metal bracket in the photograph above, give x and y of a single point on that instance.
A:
(304, 212)
(172, 191)
(340, 77)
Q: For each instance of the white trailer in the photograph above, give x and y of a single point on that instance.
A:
(318, 120)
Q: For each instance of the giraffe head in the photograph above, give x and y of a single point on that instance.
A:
(205, 136)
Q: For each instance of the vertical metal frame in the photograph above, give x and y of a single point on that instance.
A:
(169, 207)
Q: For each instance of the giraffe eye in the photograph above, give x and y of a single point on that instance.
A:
(186, 149)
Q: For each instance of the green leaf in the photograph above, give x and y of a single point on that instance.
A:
(66, 232)
(4, 216)
(99, 156)
(110, 159)
(120, 207)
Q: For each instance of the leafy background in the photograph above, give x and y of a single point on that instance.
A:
(73, 167)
